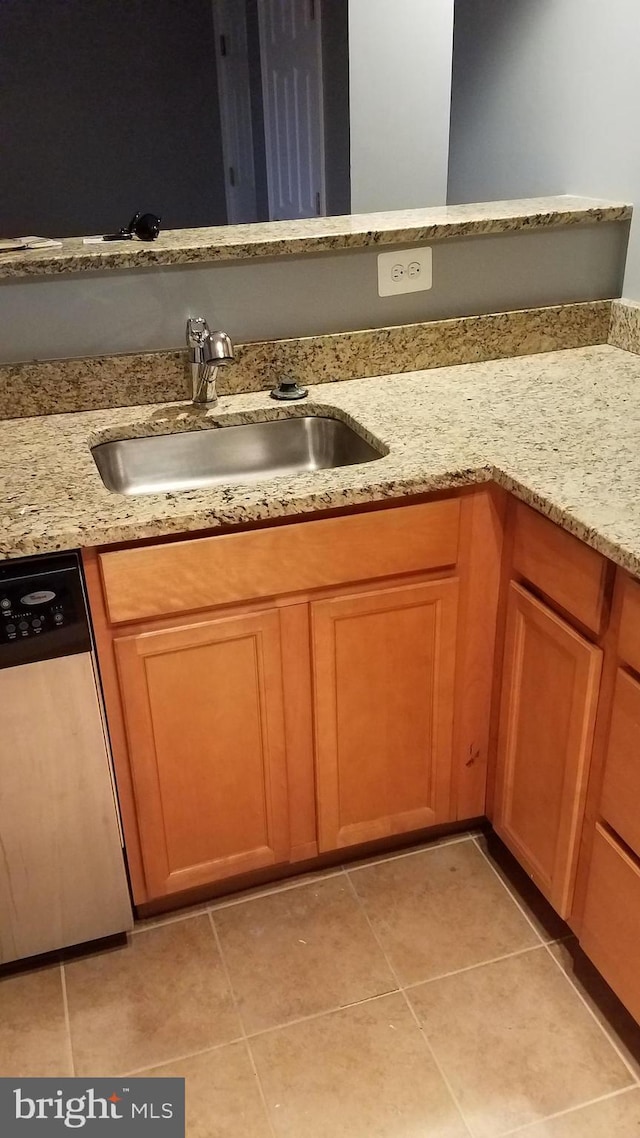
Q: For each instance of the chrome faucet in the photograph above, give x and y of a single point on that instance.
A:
(207, 352)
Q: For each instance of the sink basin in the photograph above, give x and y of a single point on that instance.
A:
(196, 459)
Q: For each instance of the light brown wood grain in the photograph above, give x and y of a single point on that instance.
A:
(562, 567)
(549, 698)
(62, 875)
(384, 667)
(629, 643)
(481, 540)
(610, 933)
(185, 576)
(203, 707)
(620, 799)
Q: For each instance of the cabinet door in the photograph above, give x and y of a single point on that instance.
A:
(203, 707)
(384, 666)
(549, 695)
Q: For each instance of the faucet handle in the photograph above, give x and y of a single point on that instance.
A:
(197, 331)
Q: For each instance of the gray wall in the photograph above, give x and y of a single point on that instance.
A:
(108, 106)
(96, 313)
(545, 100)
(400, 80)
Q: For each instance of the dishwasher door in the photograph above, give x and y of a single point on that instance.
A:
(62, 873)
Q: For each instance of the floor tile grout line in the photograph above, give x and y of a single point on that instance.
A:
(569, 1111)
(412, 1011)
(516, 900)
(227, 974)
(473, 967)
(277, 887)
(261, 1091)
(318, 1015)
(456, 839)
(181, 1058)
(608, 1032)
(67, 1017)
(214, 906)
(547, 945)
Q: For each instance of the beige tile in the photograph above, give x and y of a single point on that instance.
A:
(33, 1034)
(375, 858)
(293, 882)
(617, 1117)
(300, 952)
(516, 1042)
(165, 994)
(545, 919)
(222, 1095)
(440, 910)
(601, 999)
(363, 1072)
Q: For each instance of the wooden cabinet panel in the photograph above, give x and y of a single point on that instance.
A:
(629, 645)
(610, 933)
(234, 567)
(568, 571)
(621, 786)
(547, 715)
(384, 665)
(203, 707)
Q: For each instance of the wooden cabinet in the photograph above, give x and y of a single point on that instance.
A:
(383, 666)
(610, 932)
(204, 716)
(547, 716)
(621, 785)
(292, 690)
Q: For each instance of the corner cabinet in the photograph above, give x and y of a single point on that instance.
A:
(384, 674)
(550, 684)
(203, 708)
(291, 690)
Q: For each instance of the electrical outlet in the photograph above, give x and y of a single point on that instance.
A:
(408, 270)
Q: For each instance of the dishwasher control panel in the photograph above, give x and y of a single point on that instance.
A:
(42, 611)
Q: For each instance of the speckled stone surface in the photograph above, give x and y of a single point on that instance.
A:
(559, 430)
(55, 386)
(314, 235)
(624, 331)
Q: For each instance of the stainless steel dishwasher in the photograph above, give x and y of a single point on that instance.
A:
(62, 871)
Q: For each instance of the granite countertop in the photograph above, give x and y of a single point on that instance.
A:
(560, 430)
(314, 235)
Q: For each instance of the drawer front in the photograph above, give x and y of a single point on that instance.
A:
(564, 568)
(611, 927)
(160, 580)
(629, 645)
(621, 785)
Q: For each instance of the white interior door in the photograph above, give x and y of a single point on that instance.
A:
(291, 54)
(232, 62)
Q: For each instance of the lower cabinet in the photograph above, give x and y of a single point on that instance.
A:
(548, 706)
(203, 707)
(383, 668)
(610, 932)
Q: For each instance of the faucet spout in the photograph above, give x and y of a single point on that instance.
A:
(207, 352)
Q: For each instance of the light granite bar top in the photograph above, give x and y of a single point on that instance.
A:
(560, 430)
(314, 235)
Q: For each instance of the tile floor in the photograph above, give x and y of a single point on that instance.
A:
(428, 994)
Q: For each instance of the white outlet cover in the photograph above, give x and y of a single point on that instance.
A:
(405, 270)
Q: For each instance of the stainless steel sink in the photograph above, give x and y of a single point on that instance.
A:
(192, 460)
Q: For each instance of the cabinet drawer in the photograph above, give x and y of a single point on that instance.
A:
(629, 645)
(611, 927)
(160, 580)
(621, 785)
(564, 568)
